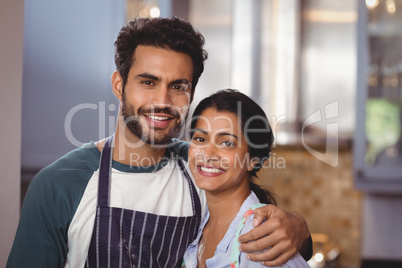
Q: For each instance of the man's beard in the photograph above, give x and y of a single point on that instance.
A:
(133, 123)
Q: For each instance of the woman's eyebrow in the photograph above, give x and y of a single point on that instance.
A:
(200, 130)
(219, 134)
(227, 134)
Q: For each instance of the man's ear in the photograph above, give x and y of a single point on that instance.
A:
(253, 163)
(117, 84)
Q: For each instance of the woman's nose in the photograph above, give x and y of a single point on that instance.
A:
(211, 152)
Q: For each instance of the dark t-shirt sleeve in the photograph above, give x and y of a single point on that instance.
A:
(49, 206)
(309, 252)
(181, 147)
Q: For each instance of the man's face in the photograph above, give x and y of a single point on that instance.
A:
(157, 94)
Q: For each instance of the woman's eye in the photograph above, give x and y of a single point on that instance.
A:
(198, 139)
(227, 144)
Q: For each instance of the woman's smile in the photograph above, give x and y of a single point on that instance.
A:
(209, 171)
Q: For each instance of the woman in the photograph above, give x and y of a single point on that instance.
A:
(230, 139)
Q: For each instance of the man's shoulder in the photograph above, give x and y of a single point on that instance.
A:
(50, 205)
(181, 148)
(85, 157)
(77, 164)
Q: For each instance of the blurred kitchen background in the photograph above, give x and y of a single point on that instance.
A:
(328, 74)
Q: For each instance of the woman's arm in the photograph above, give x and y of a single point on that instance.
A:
(283, 233)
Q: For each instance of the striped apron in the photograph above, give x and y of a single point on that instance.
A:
(127, 238)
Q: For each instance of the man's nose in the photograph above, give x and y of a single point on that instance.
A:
(162, 98)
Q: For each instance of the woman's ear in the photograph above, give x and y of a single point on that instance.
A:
(253, 163)
(117, 84)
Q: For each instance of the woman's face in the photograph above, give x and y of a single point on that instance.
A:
(218, 155)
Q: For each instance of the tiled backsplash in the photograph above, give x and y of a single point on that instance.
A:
(323, 194)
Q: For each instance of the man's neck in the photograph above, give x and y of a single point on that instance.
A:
(135, 152)
(131, 150)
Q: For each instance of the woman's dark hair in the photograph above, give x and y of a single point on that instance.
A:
(167, 33)
(255, 126)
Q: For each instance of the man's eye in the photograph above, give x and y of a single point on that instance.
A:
(147, 83)
(181, 88)
(178, 87)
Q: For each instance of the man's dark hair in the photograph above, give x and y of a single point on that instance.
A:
(167, 33)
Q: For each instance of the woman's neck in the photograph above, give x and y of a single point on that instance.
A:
(224, 206)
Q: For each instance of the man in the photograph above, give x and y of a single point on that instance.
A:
(128, 201)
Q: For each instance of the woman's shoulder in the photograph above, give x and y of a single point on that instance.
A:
(296, 261)
(247, 221)
(247, 213)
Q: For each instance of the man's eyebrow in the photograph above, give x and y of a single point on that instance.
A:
(149, 76)
(155, 78)
(179, 81)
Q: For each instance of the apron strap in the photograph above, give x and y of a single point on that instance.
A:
(193, 192)
(104, 172)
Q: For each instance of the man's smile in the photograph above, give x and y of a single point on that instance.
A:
(158, 120)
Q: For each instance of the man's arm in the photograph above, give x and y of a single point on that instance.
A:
(49, 207)
(41, 240)
(283, 233)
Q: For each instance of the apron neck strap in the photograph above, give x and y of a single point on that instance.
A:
(196, 203)
(104, 172)
(105, 168)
